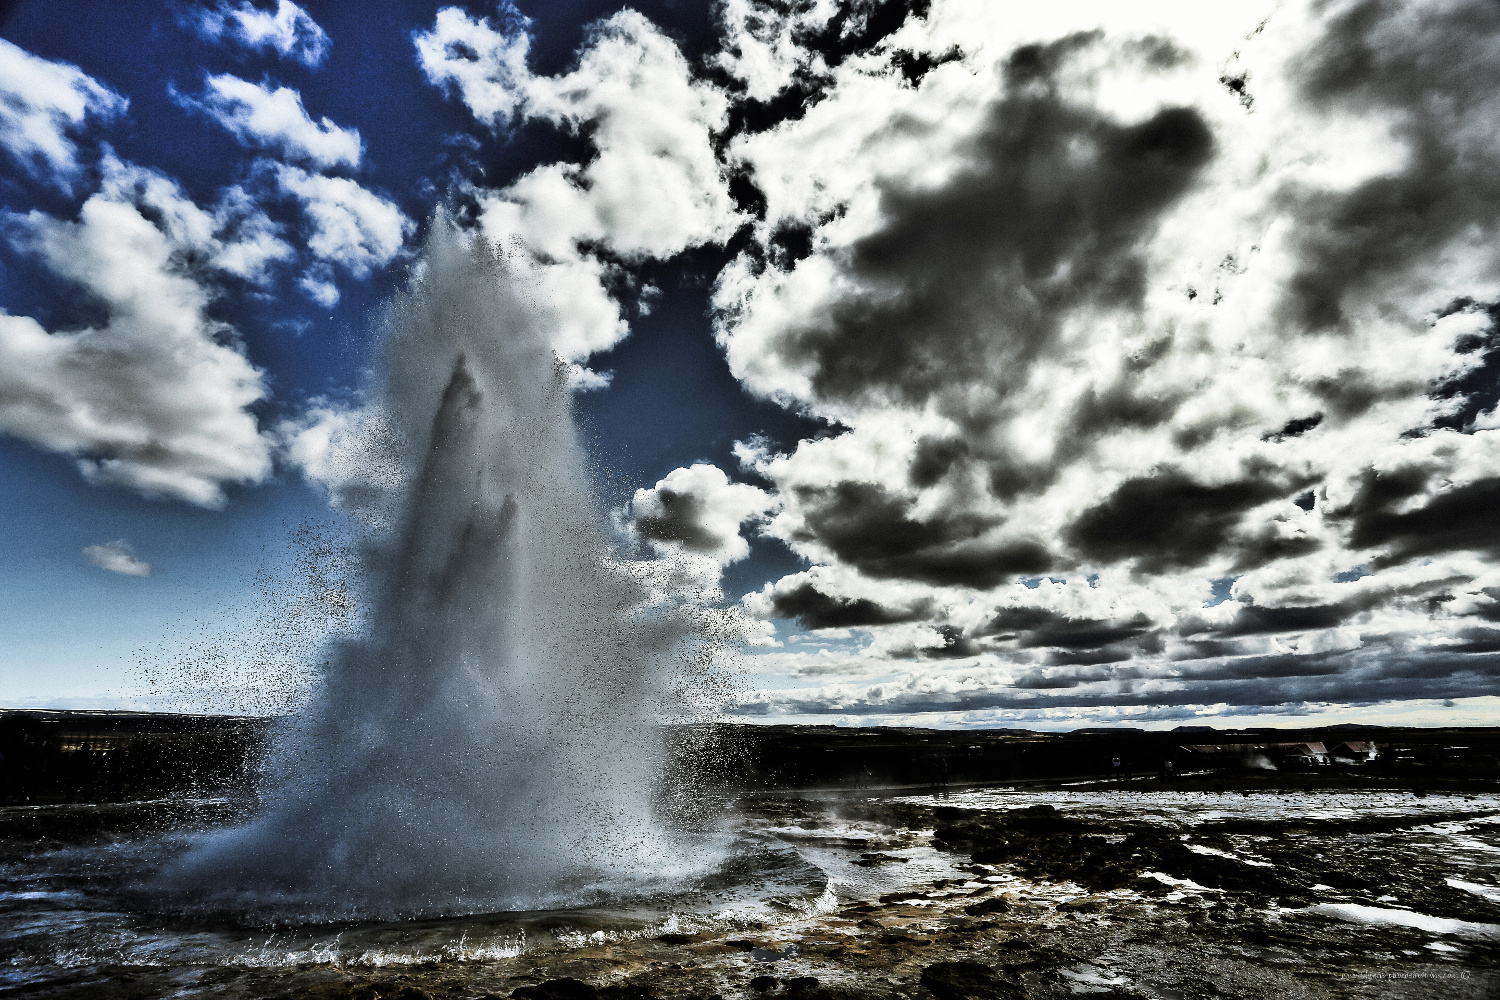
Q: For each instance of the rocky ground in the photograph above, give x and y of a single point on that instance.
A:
(1393, 895)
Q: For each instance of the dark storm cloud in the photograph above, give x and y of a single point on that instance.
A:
(872, 529)
(1208, 638)
(1118, 405)
(1005, 475)
(1490, 612)
(1277, 683)
(956, 645)
(682, 518)
(1476, 640)
(1267, 545)
(1255, 620)
(968, 282)
(1279, 665)
(1090, 657)
(1456, 519)
(1431, 67)
(1033, 627)
(1169, 520)
(1294, 428)
(933, 458)
(1068, 641)
(814, 609)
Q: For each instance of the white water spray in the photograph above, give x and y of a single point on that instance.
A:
(492, 742)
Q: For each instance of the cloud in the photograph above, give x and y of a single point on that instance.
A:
(351, 453)
(317, 283)
(1045, 211)
(350, 225)
(1166, 519)
(764, 45)
(1402, 513)
(1277, 683)
(653, 188)
(866, 526)
(799, 596)
(155, 397)
(485, 66)
(1379, 58)
(236, 237)
(275, 119)
(290, 31)
(41, 102)
(246, 242)
(698, 510)
(117, 557)
(1158, 349)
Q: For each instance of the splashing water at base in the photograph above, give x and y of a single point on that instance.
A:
(491, 742)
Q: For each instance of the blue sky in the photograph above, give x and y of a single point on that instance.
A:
(998, 366)
(74, 634)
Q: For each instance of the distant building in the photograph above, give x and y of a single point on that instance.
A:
(1355, 752)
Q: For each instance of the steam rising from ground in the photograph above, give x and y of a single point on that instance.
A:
(490, 741)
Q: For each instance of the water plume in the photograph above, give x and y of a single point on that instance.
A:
(492, 740)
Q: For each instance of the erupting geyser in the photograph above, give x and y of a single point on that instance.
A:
(491, 740)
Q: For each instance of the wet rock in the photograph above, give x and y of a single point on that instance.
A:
(675, 938)
(625, 991)
(764, 984)
(557, 989)
(1042, 843)
(1258, 936)
(800, 985)
(740, 944)
(1084, 904)
(995, 904)
(872, 860)
(970, 981)
(362, 991)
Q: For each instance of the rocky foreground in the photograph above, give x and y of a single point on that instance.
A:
(1396, 900)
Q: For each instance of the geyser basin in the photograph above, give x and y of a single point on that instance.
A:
(857, 892)
(488, 743)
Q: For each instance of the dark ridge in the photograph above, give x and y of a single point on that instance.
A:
(68, 756)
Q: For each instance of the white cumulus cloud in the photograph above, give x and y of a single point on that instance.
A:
(117, 557)
(653, 189)
(266, 118)
(156, 397)
(41, 102)
(349, 225)
(289, 30)
(763, 43)
(486, 66)
(698, 510)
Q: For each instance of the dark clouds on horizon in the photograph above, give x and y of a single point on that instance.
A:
(1160, 322)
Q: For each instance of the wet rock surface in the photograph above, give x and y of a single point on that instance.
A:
(1162, 894)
